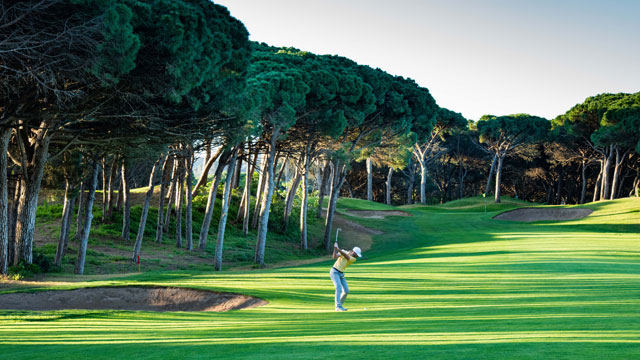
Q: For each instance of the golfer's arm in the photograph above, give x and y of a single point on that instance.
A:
(345, 254)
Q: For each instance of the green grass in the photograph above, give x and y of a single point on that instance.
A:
(358, 204)
(445, 283)
(480, 204)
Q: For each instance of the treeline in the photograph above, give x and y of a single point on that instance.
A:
(98, 92)
(590, 153)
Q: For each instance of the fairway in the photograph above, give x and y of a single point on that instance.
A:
(447, 282)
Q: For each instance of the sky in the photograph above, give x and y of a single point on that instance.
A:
(476, 57)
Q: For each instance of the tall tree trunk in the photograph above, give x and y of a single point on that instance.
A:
(118, 207)
(616, 173)
(618, 189)
(245, 210)
(326, 176)
(349, 189)
(226, 197)
(145, 210)
(65, 226)
(583, 177)
(291, 194)
(105, 185)
(282, 168)
(463, 174)
(68, 229)
(411, 181)
(491, 170)
(86, 228)
(238, 169)
(245, 191)
(13, 219)
(113, 173)
(305, 199)
(179, 202)
(32, 178)
(207, 150)
(389, 176)
(164, 179)
(259, 194)
(173, 183)
(636, 184)
(266, 203)
(211, 201)
(498, 178)
(606, 183)
(560, 184)
(603, 177)
(189, 210)
(369, 179)
(205, 171)
(126, 200)
(247, 204)
(82, 198)
(336, 184)
(243, 198)
(5, 137)
(423, 182)
(598, 184)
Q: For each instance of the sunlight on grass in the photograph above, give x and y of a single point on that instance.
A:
(433, 286)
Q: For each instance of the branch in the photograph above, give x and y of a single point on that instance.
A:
(65, 148)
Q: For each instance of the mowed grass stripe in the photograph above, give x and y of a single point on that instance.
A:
(434, 285)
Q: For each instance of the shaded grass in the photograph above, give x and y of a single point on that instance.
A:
(441, 284)
(108, 253)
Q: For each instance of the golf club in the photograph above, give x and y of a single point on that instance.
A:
(337, 231)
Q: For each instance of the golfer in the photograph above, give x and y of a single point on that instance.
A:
(337, 272)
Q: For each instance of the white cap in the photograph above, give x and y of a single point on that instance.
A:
(357, 251)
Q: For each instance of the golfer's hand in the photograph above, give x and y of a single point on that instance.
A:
(335, 245)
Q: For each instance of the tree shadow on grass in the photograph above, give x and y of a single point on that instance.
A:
(44, 316)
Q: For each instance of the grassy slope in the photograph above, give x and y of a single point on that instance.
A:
(108, 253)
(447, 283)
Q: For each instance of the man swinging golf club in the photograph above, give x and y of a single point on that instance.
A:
(345, 258)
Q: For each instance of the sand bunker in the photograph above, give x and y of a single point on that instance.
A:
(380, 214)
(542, 214)
(129, 298)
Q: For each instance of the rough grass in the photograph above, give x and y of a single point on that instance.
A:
(442, 284)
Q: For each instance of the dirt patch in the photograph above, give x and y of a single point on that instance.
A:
(353, 234)
(129, 298)
(542, 214)
(380, 214)
(351, 226)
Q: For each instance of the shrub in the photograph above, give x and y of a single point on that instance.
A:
(23, 270)
(41, 264)
(44, 262)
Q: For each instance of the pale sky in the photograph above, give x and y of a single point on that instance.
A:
(476, 57)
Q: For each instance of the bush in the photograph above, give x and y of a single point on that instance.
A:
(23, 270)
(44, 262)
(41, 264)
